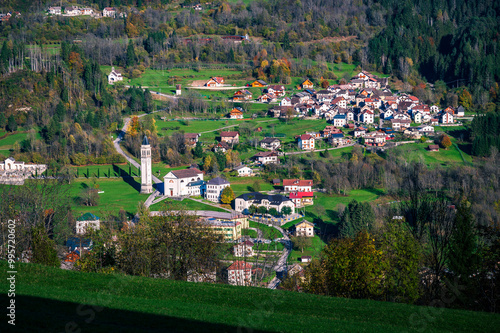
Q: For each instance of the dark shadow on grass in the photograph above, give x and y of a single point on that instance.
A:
(466, 148)
(325, 231)
(375, 191)
(35, 314)
(127, 178)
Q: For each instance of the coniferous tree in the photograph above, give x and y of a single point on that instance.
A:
(131, 57)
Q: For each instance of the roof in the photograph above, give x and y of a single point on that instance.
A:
(229, 134)
(339, 116)
(145, 141)
(88, 217)
(191, 135)
(306, 222)
(299, 195)
(270, 140)
(305, 137)
(74, 242)
(217, 181)
(262, 82)
(300, 182)
(222, 145)
(337, 135)
(185, 173)
(258, 197)
(265, 154)
(249, 243)
(239, 167)
(238, 265)
(433, 147)
(276, 181)
(196, 183)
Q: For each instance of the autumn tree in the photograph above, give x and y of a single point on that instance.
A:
(349, 267)
(227, 195)
(465, 99)
(445, 141)
(75, 62)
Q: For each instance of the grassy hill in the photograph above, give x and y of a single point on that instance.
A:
(49, 299)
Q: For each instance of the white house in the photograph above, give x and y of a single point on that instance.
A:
(286, 102)
(239, 273)
(446, 118)
(300, 185)
(367, 117)
(270, 143)
(244, 249)
(257, 199)
(266, 157)
(243, 171)
(304, 228)
(418, 117)
(55, 10)
(87, 220)
(114, 76)
(72, 11)
(306, 142)
(214, 188)
(339, 120)
(184, 182)
(109, 12)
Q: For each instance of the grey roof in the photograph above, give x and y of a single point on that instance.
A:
(217, 181)
(240, 167)
(257, 197)
(145, 141)
(196, 183)
(270, 140)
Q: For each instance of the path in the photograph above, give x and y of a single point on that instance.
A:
(318, 150)
(229, 126)
(120, 151)
(212, 204)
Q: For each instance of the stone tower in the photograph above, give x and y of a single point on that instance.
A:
(146, 173)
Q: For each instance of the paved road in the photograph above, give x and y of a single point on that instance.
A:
(120, 151)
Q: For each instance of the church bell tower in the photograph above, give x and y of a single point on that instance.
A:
(146, 173)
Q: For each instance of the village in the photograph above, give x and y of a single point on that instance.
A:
(362, 112)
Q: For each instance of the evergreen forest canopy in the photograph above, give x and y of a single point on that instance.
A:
(454, 41)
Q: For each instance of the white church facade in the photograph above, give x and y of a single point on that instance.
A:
(187, 182)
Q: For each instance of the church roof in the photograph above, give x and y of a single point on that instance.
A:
(145, 141)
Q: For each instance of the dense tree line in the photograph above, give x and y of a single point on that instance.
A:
(485, 134)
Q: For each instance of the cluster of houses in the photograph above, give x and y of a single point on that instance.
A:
(7, 16)
(80, 11)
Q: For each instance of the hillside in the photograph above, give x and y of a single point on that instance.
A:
(132, 304)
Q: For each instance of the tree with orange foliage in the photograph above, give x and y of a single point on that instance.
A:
(75, 62)
(134, 126)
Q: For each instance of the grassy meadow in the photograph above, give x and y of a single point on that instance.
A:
(95, 302)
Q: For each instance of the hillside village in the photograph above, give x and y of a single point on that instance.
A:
(249, 147)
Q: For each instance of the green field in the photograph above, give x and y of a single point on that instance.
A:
(117, 194)
(330, 202)
(53, 300)
(8, 142)
(317, 244)
(242, 185)
(445, 157)
(186, 204)
(267, 231)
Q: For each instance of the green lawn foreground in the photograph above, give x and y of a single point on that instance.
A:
(51, 299)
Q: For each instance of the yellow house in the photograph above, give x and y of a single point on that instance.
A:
(307, 84)
(304, 228)
(259, 83)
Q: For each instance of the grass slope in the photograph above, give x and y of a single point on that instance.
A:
(50, 299)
